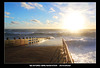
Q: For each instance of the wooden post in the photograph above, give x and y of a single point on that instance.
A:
(15, 40)
(20, 40)
(7, 40)
(24, 40)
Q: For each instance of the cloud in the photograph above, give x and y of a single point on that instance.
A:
(61, 14)
(28, 23)
(48, 21)
(52, 10)
(90, 24)
(27, 6)
(37, 21)
(52, 25)
(93, 16)
(84, 7)
(55, 17)
(14, 22)
(7, 13)
(30, 5)
(38, 5)
(8, 17)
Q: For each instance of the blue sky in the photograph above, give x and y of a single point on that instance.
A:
(46, 15)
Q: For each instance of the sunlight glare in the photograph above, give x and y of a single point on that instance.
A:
(74, 21)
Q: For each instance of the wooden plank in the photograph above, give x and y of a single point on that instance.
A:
(22, 41)
(26, 41)
(17, 42)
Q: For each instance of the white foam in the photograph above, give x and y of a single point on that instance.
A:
(83, 50)
(89, 57)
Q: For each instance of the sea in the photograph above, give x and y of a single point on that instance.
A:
(81, 44)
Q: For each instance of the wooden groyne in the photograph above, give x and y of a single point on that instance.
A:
(23, 41)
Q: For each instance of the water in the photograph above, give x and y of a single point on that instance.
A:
(82, 45)
(83, 49)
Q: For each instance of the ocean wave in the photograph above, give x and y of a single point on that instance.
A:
(79, 39)
(50, 32)
(83, 50)
(19, 32)
(89, 57)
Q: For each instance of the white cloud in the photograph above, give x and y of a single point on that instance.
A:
(6, 16)
(61, 14)
(31, 5)
(27, 6)
(60, 3)
(28, 23)
(84, 7)
(52, 25)
(48, 21)
(38, 5)
(93, 16)
(55, 17)
(7, 13)
(52, 10)
(9, 17)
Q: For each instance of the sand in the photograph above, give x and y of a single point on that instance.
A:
(29, 54)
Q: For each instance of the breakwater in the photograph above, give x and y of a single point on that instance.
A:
(24, 41)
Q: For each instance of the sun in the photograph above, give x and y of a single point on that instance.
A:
(73, 21)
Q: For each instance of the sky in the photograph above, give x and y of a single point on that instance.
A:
(46, 15)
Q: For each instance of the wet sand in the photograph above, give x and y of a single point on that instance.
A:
(29, 54)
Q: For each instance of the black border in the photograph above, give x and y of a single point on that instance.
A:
(27, 65)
